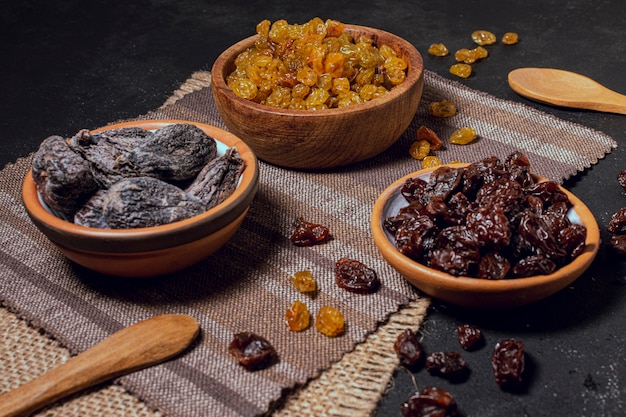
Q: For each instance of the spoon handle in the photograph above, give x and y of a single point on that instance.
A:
(135, 347)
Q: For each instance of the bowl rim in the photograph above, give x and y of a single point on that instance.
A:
(155, 237)
(415, 72)
(443, 280)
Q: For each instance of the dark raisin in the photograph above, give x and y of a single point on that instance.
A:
(618, 243)
(413, 189)
(308, 234)
(617, 224)
(252, 351)
(539, 235)
(409, 349)
(493, 265)
(621, 178)
(469, 337)
(572, 238)
(533, 265)
(508, 362)
(444, 181)
(354, 276)
(430, 402)
(447, 364)
(491, 226)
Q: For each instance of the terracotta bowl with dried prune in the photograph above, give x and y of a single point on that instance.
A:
(467, 290)
(326, 138)
(155, 250)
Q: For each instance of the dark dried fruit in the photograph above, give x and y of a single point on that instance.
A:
(308, 233)
(62, 177)
(617, 224)
(621, 178)
(409, 349)
(488, 220)
(618, 243)
(447, 364)
(355, 276)
(252, 351)
(430, 402)
(469, 337)
(218, 179)
(176, 152)
(508, 362)
(145, 202)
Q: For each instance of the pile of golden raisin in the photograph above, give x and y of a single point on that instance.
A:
(312, 66)
(465, 57)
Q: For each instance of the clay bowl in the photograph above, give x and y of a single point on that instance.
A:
(151, 251)
(306, 139)
(476, 292)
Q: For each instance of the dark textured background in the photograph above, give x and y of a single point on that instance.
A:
(71, 65)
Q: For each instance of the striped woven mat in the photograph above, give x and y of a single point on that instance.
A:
(53, 308)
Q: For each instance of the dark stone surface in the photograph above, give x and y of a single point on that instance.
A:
(71, 65)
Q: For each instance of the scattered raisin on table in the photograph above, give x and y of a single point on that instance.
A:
(621, 178)
(409, 349)
(463, 136)
(461, 70)
(330, 321)
(419, 149)
(618, 242)
(308, 234)
(355, 276)
(510, 38)
(443, 108)
(430, 402)
(617, 224)
(438, 49)
(427, 134)
(483, 37)
(431, 161)
(447, 364)
(469, 337)
(252, 351)
(298, 316)
(508, 362)
(304, 281)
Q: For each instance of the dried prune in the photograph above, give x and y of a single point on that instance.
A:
(469, 337)
(308, 233)
(355, 276)
(430, 402)
(218, 179)
(252, 351)
(176, 152)
(90, 214)
(508, 362)
(62, 177)
(409, 349)
(447, 364)
(146, 201)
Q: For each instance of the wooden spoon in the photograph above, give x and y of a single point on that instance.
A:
(135, 347)
(567, 89)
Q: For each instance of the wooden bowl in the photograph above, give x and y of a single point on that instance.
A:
(307, 139)
(151, 251)
(477, 292)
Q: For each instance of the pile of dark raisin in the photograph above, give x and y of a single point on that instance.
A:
(490, 219)
(130, 177)
(507, 363)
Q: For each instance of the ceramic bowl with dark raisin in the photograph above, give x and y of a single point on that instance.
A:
(141, 198)
(321, 136)
(485, 235)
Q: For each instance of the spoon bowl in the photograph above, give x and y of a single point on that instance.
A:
(565, 89)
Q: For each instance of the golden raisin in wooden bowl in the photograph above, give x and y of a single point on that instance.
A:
(479, 292)
(327, 138)
(156, 250)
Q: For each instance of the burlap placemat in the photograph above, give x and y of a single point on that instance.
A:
(245, 286)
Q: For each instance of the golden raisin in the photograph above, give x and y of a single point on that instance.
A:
(424, 133)
(431, 161)
(330, 321)
(419, 149)
(510, 38)
(304, 281)
(438, 49)
(483, 37)
(461, 70)
(463, 136)
(298, 316)
(442, 108)
(469, 56)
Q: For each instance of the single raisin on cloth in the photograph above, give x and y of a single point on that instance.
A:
(245, 286)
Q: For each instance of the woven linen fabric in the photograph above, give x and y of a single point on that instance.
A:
(245, 286)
